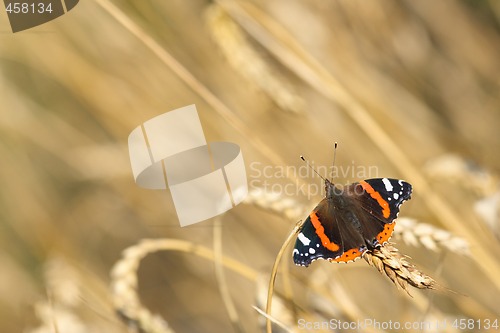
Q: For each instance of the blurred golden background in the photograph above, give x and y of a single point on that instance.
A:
(410, 87)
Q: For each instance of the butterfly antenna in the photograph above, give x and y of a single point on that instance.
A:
(312, 168)
(334, 157)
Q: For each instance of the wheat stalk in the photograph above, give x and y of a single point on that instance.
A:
(274, 272)
(222, 279)
(273, 319)
(280, 307)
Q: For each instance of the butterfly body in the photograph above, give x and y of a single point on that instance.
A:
(350, 220)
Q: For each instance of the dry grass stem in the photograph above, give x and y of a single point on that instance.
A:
(280, 306)
(390, 262)
(242, 56)
(274, 271)
(221, 278)
(272, 319)
(288, 294)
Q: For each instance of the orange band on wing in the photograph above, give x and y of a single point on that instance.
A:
(384, 236)
(320, 231)
(386, 211)
(348, 256)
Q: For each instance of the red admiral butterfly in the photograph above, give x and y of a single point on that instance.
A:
(351, 220)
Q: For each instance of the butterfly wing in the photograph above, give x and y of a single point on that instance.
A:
(380, 199)
(327, 235)
(309, 246)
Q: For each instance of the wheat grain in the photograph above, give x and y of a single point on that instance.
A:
(414, 233)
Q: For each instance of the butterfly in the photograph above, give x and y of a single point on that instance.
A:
(351, 220)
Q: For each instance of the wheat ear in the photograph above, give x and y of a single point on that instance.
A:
(390, 262)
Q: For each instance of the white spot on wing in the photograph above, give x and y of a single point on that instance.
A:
(396, 196)
(295, 251)
(388, 185)
(312, 251)
(304, 240)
